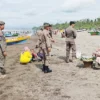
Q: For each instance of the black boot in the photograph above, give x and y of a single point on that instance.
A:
(43, 69)
(67, 59)
(47, 70)
(2, 71)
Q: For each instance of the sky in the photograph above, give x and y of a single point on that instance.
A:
(26, 14)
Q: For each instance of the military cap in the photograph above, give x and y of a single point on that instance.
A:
(2, 23)
(46, 24)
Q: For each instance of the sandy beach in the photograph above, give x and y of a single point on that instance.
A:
(66, 82)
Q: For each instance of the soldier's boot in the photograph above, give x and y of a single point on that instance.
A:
(43, 69)
(2, 71)
(67, 59)
(46, 69)
(73, 58)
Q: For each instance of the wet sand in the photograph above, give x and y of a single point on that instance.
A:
(66, 82)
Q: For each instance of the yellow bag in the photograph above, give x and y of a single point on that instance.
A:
(25, 57)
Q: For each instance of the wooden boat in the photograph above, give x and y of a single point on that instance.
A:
(16, 40)
(11, 35)
(94, 33)
(8, 35)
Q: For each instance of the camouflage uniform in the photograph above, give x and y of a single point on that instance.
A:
(2, 49)
(45, 44)
(70, 43)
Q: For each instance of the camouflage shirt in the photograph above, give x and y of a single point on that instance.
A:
(3, 44)
(70, 33)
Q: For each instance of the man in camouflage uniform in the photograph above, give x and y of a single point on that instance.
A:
(45, 46)
(2, 49)
(70, 43)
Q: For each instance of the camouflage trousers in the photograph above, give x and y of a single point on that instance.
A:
(2, 60)
(70, 45)
(46, 57)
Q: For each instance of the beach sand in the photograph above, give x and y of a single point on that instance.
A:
(66, 82)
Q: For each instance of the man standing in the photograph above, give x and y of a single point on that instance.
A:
(45, 46)
(70, 43)
(3, 53)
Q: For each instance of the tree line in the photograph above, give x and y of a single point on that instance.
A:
(81, 24)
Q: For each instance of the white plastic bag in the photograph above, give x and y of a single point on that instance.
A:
(78, 54)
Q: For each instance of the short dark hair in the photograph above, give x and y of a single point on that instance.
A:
(50, 25)
(72, 22)
(41, 29)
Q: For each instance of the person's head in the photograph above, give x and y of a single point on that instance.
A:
(50, 27)
(2, 25)
(72, 23)
(46, 26)
(41, 29)
(26, 49)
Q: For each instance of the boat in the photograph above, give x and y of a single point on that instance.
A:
(16, 34)
(7, 34)
(10, 34)
(27, 34)
(16, 40)
(94, 32)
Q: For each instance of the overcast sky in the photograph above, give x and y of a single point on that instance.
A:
(29, 13)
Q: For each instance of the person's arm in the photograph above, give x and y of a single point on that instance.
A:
(51, 38)
(3, 46)
(65, 33)
(74, 33)
(34, 54)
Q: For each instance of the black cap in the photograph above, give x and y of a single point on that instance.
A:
(72, 22)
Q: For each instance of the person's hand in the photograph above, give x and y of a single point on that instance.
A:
(37, 46)
(5, 54)
(52, 40)
(49, 49)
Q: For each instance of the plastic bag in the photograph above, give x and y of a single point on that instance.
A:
(78, 54)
